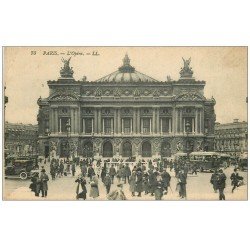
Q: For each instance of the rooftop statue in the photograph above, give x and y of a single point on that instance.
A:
(186, 71)
(66, 71)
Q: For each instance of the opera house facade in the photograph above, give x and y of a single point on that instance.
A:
(125, 114)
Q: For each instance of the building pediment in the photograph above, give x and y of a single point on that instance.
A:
(63, 97)
(189, 97)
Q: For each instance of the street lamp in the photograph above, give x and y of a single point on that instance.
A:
(68, 127)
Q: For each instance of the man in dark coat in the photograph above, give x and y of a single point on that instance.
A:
(107, 182)
(61, 168)
(165, 180)
(112, 173)
(73, 169)
(182, 180)
(44, 183)
(127, 173)
(132, 183)
(91, 172)
(139, 183)
(159, 187)
(104, 172)
(81, 183)
(235, 179)
(152, 182)
(84, 170)
(214, 180)
(221, 184)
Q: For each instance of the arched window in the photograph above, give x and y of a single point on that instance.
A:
(127, 149)
(107, 149)
(146, 149)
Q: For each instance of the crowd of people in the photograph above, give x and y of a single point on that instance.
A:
(142, 177)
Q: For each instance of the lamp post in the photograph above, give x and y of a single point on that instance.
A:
(68, 127)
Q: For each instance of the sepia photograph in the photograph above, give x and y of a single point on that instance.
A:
(125, 124)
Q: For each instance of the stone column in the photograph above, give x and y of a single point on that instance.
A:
(202, 120)
(72, 121)
(119, 120)
(76, 121)
(196, 121)
(157, 120)
(181, 123)
(95, 120)
(99, 120)
(50, 119)
(154, 121)
(52, 130)
(115, 121)
(138, 121)
(83, 126)
(134, 121)
(174, 120)
(56, 120)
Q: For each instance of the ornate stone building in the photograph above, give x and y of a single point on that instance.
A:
(125, 113)
(20, 139)
(231, 138)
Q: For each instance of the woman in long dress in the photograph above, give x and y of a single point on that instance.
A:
(94, 190)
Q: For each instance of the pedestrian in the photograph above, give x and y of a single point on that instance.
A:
(127, 173)
(119, 174)
(221, 184)
(132, 183)
(84, 169)
(145, 183)
(214, 180)
(61, 169)
(52, 170)
(152, 182)
(182, 180)
(112, 173)
(235, 179)
(81, 189)
(107, 182)
(44, 183)
(159, 188)
(104, 172)
(35, 184)
(73, 169)
(91, 172)
(94, 190)
(118, 194)
(165, 176)
(138, 187)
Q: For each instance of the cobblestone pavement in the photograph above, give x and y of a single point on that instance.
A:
(198, 188)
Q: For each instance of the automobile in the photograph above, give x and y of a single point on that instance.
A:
(24, 168)
(243, 162)
(205, 161)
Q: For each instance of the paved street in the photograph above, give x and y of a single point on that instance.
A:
(198, 188)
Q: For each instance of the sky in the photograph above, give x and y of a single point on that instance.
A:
(27, 70)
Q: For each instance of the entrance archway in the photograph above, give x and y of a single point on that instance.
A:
(87, 150)
(107, 149)
(127, 149)
(146, 149)
(165, 149)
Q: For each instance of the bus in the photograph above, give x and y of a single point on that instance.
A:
(243, 162)
(205, 161)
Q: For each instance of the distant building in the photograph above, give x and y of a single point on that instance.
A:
(20, 139)
(231, 138)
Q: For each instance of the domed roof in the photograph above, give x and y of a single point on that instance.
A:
(126, 73)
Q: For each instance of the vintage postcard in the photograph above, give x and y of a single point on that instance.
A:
(125, 123)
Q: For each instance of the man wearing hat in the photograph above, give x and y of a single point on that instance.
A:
(44, 183)
(107, 182)
(235, 179)
(221, 184)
